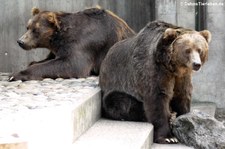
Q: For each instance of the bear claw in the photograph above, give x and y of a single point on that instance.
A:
(167, 140)
(11, 78)
(171, 140)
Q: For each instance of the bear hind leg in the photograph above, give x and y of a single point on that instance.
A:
(122, 106)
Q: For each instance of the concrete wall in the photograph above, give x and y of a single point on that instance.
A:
(176, 12)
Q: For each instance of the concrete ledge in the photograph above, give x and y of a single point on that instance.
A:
(116, 134)
(86, 114)
(50, 113)
(170, 146)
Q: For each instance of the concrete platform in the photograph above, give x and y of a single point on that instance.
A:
(170, 146)
(108, 134)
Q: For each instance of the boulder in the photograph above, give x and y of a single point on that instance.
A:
(200, 131)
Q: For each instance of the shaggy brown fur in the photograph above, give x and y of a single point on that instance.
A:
(146, 77)
(78, 42)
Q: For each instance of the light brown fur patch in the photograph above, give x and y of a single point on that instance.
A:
(182, 71)
(53, 19)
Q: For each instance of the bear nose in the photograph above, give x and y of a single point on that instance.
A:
(21, 43)
(196, 66)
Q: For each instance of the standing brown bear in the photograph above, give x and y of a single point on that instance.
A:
(148, 76)
(78, 42)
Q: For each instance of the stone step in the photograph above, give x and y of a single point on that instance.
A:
(116, 134)
(48, 114)
(170, 146)
(101, 132)
(205, 107)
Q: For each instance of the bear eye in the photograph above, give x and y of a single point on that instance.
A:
(188, 51)
(34, 30)
(199, 51)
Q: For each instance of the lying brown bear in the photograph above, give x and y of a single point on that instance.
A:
(148, 76)
(78, 42)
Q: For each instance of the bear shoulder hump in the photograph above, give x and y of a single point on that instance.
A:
(94, 11)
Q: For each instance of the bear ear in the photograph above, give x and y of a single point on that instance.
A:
(52, 18)
(171, 33)
(206, 34)
(35, 11)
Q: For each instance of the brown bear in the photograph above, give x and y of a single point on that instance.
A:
(78, 42)
(148, 77)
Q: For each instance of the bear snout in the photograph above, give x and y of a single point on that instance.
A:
(21, 43)
(196, 66)
(196, 61)
(26, 42)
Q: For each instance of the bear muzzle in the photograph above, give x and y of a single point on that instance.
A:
(21, 43)
(196, 66)
(25, 44)
(196, 61)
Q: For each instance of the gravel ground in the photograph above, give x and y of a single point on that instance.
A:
(24, 96)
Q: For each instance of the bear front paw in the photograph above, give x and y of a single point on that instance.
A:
(19, 76)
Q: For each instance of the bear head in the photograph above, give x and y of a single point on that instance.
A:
(189, 48)
(40, 28)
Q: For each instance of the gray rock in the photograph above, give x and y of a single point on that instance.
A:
(200, 131)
